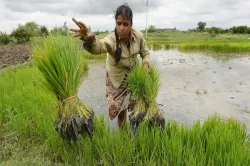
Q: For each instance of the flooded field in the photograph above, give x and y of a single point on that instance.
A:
(193, 87)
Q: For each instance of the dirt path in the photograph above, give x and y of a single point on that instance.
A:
(13, 54)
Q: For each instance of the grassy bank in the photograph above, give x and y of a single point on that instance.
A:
(176, 36)
(197, 41)
(27, 113)
(216, 46)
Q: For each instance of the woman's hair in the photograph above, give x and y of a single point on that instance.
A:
(124, 11)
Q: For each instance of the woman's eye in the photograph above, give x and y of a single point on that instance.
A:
(125, 24)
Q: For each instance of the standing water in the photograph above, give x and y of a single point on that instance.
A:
(193, 87)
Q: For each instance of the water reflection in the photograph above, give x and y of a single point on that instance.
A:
(158, 47)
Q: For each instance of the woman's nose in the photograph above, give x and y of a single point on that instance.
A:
(122, 27)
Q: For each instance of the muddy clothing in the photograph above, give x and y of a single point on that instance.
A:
(117, 99)
(116, 87)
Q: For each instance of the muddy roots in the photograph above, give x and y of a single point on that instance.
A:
(135, 121)
(70, 127)
(157, 121)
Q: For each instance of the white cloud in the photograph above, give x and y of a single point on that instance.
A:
(99, 14)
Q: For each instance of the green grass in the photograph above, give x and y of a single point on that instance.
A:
(27, 134)
(197, 41)
(4, 38)
(175, 36)
(88, 55)
(222, 47)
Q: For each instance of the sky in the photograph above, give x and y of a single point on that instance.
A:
(99, 14)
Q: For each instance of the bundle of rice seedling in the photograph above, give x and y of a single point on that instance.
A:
(59, 60)
(144, 89)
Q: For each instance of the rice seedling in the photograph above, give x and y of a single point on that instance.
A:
(28, 137)
(217, 46)
(59, 60)
(144, 88)
(156, 47)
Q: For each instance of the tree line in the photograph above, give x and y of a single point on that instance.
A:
(201, 27)
(23, 33)
(217, 30)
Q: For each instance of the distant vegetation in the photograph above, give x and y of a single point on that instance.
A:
(201, 27)
(234, 39)
(24, 33)
(4, 38)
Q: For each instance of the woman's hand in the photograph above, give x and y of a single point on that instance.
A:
(147, 67)
(83, 32)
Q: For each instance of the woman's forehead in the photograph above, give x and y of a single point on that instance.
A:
(122, 18)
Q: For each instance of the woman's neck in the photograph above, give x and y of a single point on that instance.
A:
(126, 40)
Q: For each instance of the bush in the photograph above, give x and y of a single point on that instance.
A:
(212, 32)
(97, 32)
(151, 29)
(4, 38)
(44, 31)
(57, 31)
(32, 28)
(21, 34)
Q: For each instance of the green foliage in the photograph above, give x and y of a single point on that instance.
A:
(4, 38)
(60, 61)
(21, 34)
(57, 31)
(240, 29)
(88, 55)
(44, 31)
(26, 105)
(201, 25)
(151, 29)
(144, 86)
(32, 28)
(229, 47)
(97, 32)
(213, 31)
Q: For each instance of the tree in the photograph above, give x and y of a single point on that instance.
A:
(21, 34)
(65, 29)
(33, 28)
(151, 28)
(248, 30)
(201, 25)
(57, 31)
(242, 29)
(97, 32)
(44, 31)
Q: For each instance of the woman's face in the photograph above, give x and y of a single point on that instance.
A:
(123, 27)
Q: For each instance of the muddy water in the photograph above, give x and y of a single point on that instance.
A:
(193, 87)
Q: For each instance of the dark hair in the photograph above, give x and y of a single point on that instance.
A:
(125, 11)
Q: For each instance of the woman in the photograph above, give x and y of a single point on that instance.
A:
(122, 47)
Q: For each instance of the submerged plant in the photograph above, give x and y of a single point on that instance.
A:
(144, 88)
(59, 60)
